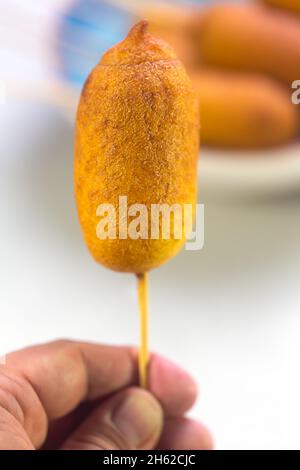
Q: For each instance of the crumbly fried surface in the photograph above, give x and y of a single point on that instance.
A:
(137, 135)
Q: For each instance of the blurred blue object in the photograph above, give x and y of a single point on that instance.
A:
(88, 28)
(85, 31)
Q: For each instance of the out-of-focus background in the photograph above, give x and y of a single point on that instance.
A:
(230, 313)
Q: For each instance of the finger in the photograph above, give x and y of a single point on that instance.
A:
(65, 373)
(173, 387)
(185, 434)
(58, 376)
(61, 428)
(12, 434)
(131, 419)
(42, 383)
(22, 416)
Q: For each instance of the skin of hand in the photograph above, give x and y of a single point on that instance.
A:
(74, 395)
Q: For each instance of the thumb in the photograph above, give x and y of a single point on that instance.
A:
(131, 419)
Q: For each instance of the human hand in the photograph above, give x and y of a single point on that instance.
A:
(73, 395)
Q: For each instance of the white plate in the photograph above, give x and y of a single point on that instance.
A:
(261, 173)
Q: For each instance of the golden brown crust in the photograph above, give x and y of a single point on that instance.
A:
(139, 46)
(136, 136)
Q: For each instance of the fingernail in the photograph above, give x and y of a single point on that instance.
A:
(138, 417)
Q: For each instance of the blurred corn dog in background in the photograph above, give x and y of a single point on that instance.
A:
(250, 38)
(237, 54)
(292, 5)
(244, 110)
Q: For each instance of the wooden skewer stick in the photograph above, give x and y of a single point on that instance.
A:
(143, 314)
